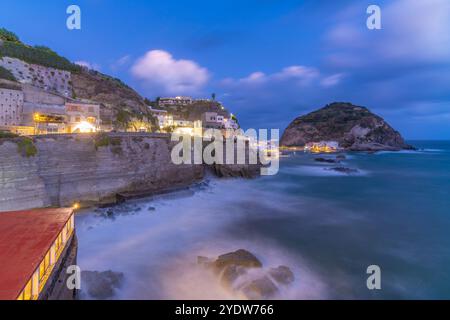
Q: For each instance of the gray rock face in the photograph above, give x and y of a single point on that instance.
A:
(101, 285)
(70, 168)
(354, 127)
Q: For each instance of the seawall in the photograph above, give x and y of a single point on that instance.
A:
(88, 169)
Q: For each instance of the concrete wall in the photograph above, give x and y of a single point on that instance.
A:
(11, 107)
(69, 169)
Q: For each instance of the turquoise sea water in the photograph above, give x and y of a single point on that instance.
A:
(327, 226)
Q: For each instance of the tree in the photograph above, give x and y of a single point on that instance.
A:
(213, 96)
(8, 36)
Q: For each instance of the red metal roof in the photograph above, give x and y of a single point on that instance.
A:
(25, 238)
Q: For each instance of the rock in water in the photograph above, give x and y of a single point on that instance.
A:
(258, 289)
(343, 170)
(326, 160)
(101, 285)
(240, 257)
(230, 274)
(282, 275)
(355, 128)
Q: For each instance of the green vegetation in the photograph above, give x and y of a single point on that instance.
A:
(37, 55)
(7, 35)
(6, 74)
(7, 135)
(26, 147)
(123, 118)
(104, 140)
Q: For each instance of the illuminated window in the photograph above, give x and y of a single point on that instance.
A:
(27, 291)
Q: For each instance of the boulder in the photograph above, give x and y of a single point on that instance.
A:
(240, 257)
(344, 170)
(282, 275)
(230, 275)
(262, 288)
(326, 160)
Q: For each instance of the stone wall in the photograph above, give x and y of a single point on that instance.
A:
(72, 168)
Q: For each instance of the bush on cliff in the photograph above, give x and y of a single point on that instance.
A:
(7, 35)
(104, 140)
(6, 74)
(26, 147)
(37, 55)
(7, 135)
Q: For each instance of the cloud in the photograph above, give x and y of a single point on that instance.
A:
(332, 80)
(413, 31)
(162, 73)
(299, 75)
(121, 62)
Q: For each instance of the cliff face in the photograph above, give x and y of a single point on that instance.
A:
(109, 91)
(354, 127)
(78, 168)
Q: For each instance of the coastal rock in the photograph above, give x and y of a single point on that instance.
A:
(344, 170)
(230, 274)
(354, 127)
(262, 288)
(341, 157)
(70, 169)
(236, 170)
(240, 257)
(282, 275)
(241, 272)
(326, 160)
(101, 285)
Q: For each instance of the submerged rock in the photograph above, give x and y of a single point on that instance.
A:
(262, 288)
(282, 275)
(326, 160)
(343, 170)
(101, 285)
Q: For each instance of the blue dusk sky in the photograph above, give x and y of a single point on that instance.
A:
(268, 61)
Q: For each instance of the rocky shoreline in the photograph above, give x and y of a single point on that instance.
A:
(81, 169)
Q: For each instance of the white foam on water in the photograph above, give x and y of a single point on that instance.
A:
(157, 250)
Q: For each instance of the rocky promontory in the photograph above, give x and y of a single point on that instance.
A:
(355, 128)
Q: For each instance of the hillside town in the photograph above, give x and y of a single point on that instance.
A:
(26, 109)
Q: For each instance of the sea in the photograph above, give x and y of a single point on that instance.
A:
(328, 227)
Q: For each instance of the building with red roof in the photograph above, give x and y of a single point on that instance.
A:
(33, 248)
